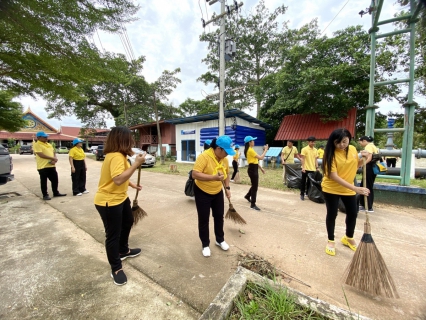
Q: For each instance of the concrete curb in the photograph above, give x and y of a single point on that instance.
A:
(222, 304)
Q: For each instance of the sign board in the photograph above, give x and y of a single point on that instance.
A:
(192, 131)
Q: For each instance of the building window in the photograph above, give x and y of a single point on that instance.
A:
(188, 150)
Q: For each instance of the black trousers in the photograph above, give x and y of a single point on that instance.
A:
(391, 162)
(253, 173)
(235, 166)
(204, 203)
(118, 221)
(371, 177)
(52, 175)
(303, 184)
(332, 204)
(78, 177)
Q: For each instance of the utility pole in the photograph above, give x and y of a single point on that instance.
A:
(222, 18)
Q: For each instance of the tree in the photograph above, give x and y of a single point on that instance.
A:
(44, 48)
(10, 113)
(191, 107)
(160, 90)
(419, 136)
(258, 40)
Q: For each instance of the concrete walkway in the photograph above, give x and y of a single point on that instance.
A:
(54, 263)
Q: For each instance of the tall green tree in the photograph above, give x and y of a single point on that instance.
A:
(258, 39)
(10, 113)
(191, 107)
(44, 48)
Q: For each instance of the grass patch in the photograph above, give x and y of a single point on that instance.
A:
(264, 301)
(413, 182)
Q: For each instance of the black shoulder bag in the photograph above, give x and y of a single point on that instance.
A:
(189, 186)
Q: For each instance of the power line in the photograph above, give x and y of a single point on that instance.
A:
(335, 16)
(99, 40)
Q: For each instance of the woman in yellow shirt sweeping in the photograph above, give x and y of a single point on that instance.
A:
(340, 164)
(112, 202)
(367, 143)
(77, 160)
(253, 169)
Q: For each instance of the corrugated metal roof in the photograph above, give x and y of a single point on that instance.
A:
(215, 115)
(273, 152)
(301, 126)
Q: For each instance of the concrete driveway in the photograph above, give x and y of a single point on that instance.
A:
(53, 256)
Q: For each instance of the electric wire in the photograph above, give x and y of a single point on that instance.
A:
(335, 16)
(99, 40)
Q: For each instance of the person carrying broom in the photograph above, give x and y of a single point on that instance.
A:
(340, 164)
(211, 171)
(112, 202)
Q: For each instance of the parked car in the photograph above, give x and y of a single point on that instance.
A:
(26, 149)
(93, 149)
(6, 146)
(99, 153)
(6, 166)
(63, 150)
(149, 159)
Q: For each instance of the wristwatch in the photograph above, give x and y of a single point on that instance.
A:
(228, 188)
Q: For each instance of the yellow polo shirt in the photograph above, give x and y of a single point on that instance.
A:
(289, 152)
(310, 155)
(346, 168)
(205, 163)
(371, 148)
(251, 156)
(108, 192)
(77, 153)
(46, 149)
(236, 156)
(320, 153)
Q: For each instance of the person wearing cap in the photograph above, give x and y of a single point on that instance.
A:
(253, 169)
(207, 144)
(77, 160)
(309, 158)
(211, 171)
(235, 161)
(367, 143)
(46, 160)
(287, 156)
(340, 165)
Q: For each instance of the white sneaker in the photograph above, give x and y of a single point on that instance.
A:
(232, 180)
(79, 194)
(85, 192)
(206, 252)
(223, 245)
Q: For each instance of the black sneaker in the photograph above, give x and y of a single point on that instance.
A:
(255, 208)
(133, 253)
(119, 278)
(59, 194)
(47, 197)
(247, 198)
(302, 197)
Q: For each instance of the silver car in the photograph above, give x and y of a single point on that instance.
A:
(149, 159)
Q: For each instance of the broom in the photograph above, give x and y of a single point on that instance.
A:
(367, 271)
(138, 212)
(232, 214)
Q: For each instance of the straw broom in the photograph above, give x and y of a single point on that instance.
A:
(367, 271)
(138, 212)
(232, 214)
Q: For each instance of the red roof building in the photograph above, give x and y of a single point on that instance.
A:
(301, 126)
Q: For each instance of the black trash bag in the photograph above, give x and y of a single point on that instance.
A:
(315, 189)
(342, 207)
(189, 186)
(293, 175)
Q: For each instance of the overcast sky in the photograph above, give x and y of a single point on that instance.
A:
(167, 34)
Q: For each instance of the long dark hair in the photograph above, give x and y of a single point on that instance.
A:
(335, 137)
(246, 147)
(120, 139)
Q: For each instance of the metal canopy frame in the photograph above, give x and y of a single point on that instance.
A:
(408, 130)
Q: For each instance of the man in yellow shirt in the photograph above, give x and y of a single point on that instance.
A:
(309, 157)
(46, 160)
(287, 156)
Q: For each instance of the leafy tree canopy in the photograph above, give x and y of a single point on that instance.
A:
(10, 113)
(191, 107)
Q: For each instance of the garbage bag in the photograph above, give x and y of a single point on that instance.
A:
(315, 190)
(293, 175)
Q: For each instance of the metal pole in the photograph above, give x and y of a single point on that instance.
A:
(222, 72)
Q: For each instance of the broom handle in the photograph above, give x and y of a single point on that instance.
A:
(139, 181)
(224, 189)
(364, 184)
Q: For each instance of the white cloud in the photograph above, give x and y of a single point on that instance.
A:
(167, 34)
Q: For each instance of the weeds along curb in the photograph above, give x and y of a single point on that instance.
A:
(222, 304)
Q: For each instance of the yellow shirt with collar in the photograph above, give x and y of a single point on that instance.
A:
(310, 154)
(206, 164)
(288, 153)
(251, 156)
(108, 192)
(371, 148)
(77, 153)
(345, 167)
(236, 156)
(46, 149)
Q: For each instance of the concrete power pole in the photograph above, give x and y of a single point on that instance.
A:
(222, 18)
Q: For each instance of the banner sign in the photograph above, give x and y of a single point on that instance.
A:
(187, 131)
